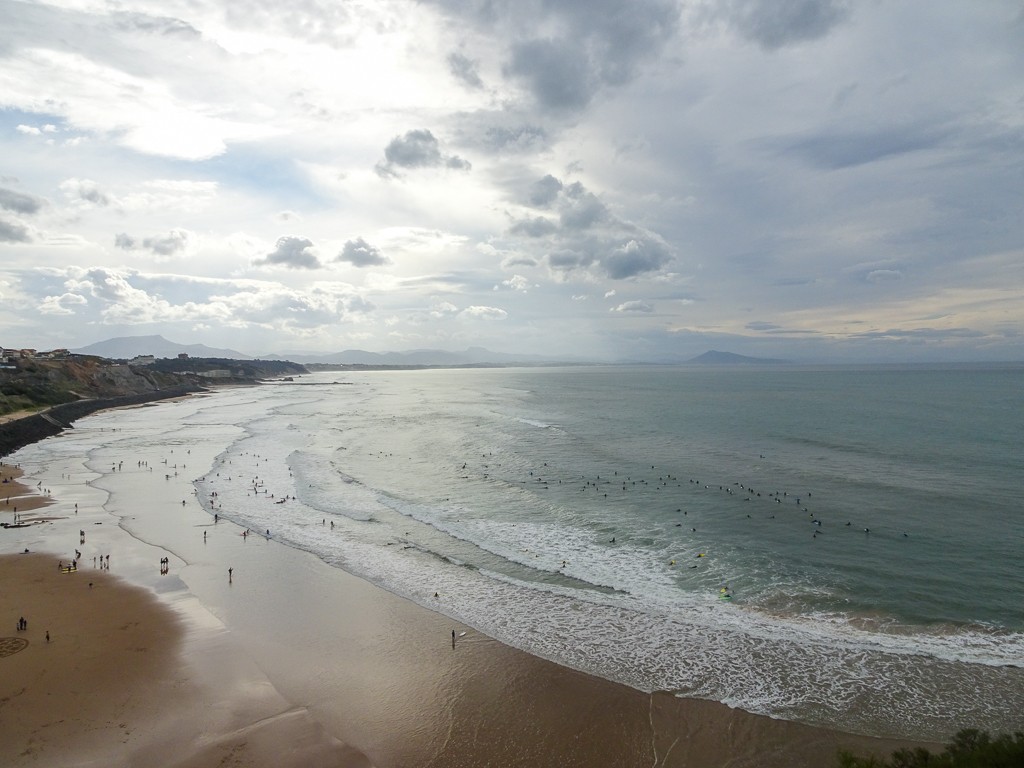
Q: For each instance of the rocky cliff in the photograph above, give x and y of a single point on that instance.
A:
(47, 395)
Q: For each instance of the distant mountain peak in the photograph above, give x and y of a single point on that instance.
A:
(127, 347)
(714, 357)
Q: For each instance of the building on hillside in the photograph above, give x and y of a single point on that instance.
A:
(142, 360)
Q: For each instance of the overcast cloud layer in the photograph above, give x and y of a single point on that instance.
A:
(817, 180)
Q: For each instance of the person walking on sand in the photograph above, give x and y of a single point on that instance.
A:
(47, 635)
(230, 574)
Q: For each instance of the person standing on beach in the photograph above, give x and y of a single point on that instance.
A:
(230, 574)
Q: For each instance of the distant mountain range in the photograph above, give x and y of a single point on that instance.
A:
(127, 347)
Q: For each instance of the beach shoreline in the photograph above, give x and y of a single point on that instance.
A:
(290, 657)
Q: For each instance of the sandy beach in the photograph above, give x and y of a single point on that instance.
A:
(293, 662)
(16, 496)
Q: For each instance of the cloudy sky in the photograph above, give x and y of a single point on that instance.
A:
(826, 180)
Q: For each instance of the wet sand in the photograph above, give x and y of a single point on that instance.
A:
(295, 662)
(17, 497)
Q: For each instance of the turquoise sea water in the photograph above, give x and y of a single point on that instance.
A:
(866, 523)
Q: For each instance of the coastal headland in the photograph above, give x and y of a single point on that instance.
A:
(152, 652)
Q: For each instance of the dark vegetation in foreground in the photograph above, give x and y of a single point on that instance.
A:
(969, 749)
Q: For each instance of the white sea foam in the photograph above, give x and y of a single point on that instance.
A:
(493, 552)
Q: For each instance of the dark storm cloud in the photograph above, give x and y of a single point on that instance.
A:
(586, 235)
(19, 202)
(555, 72)
(360, 253)
(635, 258)
(13, 233)
(545, 191)
(464, 69)
(587, 44)
(618, 261)
(292, 252)
(774, 24)
(581, 209)
(417, 149)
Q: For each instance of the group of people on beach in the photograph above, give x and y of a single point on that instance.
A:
(23, 627)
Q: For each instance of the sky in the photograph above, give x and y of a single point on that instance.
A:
(813, 180)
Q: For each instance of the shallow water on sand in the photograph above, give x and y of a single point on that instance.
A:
(863, 522)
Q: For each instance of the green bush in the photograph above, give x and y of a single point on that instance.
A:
(970, 748)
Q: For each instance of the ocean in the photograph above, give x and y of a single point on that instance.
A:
(838, 546)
